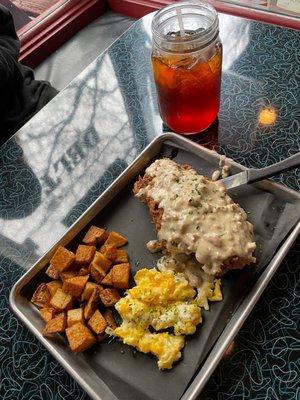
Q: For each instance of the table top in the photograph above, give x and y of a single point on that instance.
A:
(63, 158)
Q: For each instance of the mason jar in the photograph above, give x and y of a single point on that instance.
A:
(187, 63)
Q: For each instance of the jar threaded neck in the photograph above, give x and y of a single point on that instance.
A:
(200, 22)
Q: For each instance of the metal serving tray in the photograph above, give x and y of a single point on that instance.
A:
(124, 213)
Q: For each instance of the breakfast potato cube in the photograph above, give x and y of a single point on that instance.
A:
(80, 338)
(75, 286)
(107, 280)
(97, 322)
(84, 271)
(68, 274)
(109, 297)
(53, 286)
(92, 304)
(116, 239)
(97, 273)
(109, 318)
(88, 290)
(84, 254)
(62, 259)
(41, 297)
(101, 337)
(120, 275)
(109, 251)
(95, 235)
(74, 316)
(122, 256)
(61, 300)
(52, 272)
(47, 313)
(55, 325)
(100, 260)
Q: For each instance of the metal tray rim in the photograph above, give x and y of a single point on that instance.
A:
(232, 327)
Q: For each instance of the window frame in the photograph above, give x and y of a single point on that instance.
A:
(43, 35)
(138, 8)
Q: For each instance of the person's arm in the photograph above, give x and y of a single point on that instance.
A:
(9, 47)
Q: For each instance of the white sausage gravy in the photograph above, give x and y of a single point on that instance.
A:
(198, 216)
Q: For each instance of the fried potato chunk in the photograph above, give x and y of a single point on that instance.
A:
(61, 300)
(84, 271)
(53, 286)
(68, 274)
(48, 313)
(107, 280)
(88, 290)
(75, 286)
(109, 251)
(95, 235)
(55, 325)
(70, 302)
(41, 297)
(74, 316)
(84, 254)
(97, 273)
(92, 304)
(80, 338)
(52, 272)
(120, 275)
(109, 297)
(110, 320)
(62, 259)
(97, 322)
(100, 260)
(116, 239)
(122, 256)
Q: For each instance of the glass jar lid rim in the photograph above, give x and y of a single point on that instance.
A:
(211, 29)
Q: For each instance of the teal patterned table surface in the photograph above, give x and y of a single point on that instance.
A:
(63, 159)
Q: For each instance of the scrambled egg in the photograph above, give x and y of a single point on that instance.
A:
(208, 288)
(164, 346)
(161, 300)
(209, 291)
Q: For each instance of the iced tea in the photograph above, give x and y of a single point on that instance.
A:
(188, 89)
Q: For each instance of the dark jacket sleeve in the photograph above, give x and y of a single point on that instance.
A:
(9, 47)
(21, 96)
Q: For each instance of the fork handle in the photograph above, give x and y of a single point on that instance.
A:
(287, 164)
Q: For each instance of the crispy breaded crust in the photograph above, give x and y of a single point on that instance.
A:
(157, 213)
